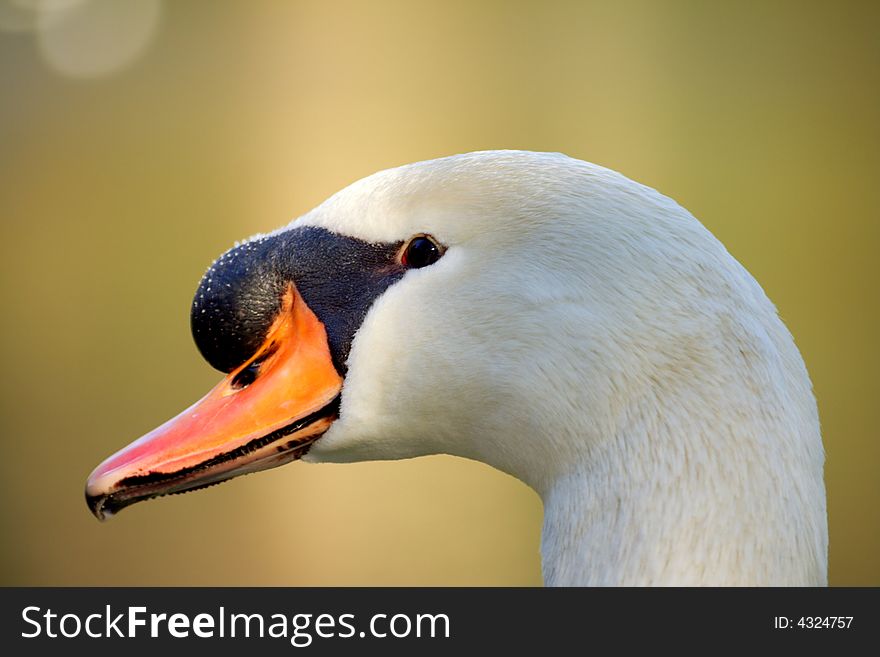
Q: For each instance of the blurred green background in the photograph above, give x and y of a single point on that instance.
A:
(140, 139)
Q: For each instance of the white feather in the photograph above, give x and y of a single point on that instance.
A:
(587, 335)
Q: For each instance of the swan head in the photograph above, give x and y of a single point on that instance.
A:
(557, 278)
(527, 310)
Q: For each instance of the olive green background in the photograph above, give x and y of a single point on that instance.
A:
(116, 192)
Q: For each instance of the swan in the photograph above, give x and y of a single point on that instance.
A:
(541, 314)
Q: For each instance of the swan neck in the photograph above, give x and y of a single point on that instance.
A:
(686, 510)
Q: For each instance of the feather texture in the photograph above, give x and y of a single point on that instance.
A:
(586, 334)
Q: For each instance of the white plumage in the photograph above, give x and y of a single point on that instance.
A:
(587, 335)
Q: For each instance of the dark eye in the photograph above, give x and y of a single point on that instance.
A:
(421, 251)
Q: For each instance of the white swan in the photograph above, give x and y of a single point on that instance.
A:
(546, 316)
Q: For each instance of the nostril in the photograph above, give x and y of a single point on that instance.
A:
(247, 376)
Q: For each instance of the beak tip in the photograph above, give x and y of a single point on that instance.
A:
(96, 499)
(96, 505)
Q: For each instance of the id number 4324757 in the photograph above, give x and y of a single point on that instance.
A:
(812, 622)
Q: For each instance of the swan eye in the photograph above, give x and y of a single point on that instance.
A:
(421, 251)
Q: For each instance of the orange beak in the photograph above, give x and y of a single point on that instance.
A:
(265, 413)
